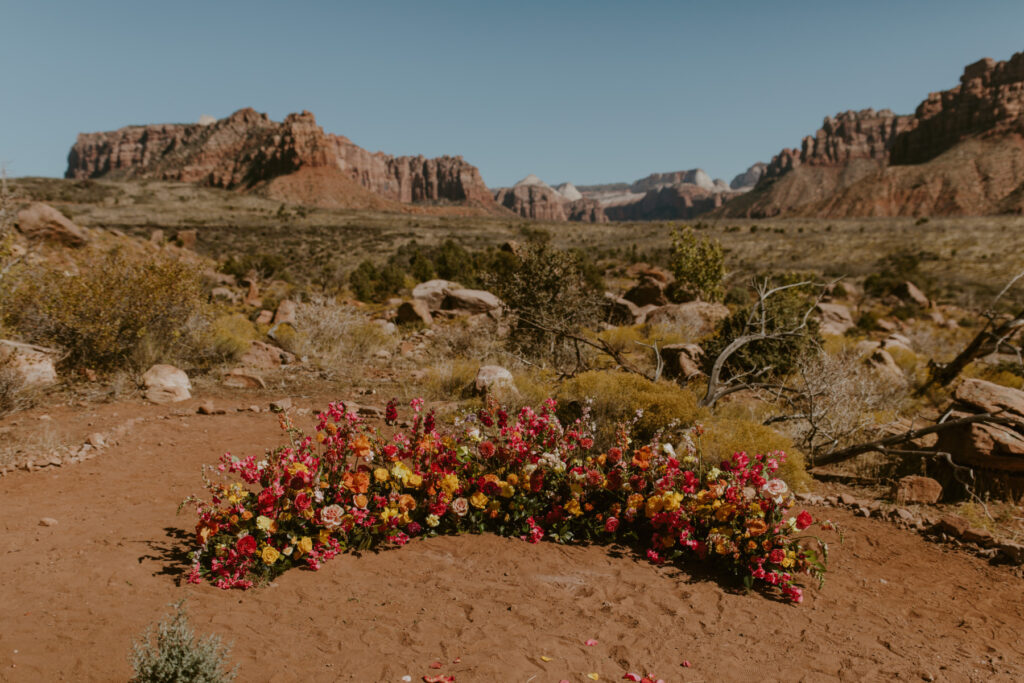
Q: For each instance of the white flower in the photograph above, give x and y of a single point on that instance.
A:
(668, 449)
(776, 489)
(331, 516)
(714, 473)
(460, 506)
(474, 434)
(318, 496)
(433, 520)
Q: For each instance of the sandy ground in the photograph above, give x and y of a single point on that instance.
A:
(74, 595)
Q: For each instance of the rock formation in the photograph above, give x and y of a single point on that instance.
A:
(532, 198)
(748, 179)
(960, 153)
(247, 149)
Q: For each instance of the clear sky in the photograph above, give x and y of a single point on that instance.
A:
(588, 92)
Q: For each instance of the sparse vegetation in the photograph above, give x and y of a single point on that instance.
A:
(699, 266)
(170, 652)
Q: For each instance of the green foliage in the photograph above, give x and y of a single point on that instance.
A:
(784, 310)
(620, 397)
(699, 266)
(265, 266)
(370, 283)
(117, 311)
(894, 270)
(173, 654)
(231, 335)
(548, 296)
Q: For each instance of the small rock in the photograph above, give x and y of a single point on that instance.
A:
(47, 521)
(1014, 552)
(265, 317)
(281, 405)
(915, 489)
(862, 511)
(904, 515)
(847, 499)
(415, 311)
(96, 440)
(285, 313)
(241, 378)
(952, 525)
(166, 384)
(982, 537)
(493, 377)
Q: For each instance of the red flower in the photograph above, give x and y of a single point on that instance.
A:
(611, 524)
(487, 449)
(302, 502)
(804, 520)
(587, 442)
(777, 556)
(246, 545)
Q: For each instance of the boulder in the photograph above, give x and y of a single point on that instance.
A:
(952, 525)
(188, 239)
(470, 301)
(264, 356)
(35, 364)
(493, 377)
(884, 363)
(696, 318)
(908, 291)
(285, 313)
(264, 317)
(415, 311)
(978, 395)
(649, 291)
(166, 384)
(989, 446)
(433, 292)
(43, 222)
(252, 297)
(243, 378)
(224, 294)
(915, 489)
(835, 319)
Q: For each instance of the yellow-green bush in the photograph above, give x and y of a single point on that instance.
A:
(617, 396)
(117, 311)
(231, 335)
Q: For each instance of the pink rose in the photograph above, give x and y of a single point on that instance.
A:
(302, 502)
(611, 524)
(460, 506)
(331, 516)
(776, 488)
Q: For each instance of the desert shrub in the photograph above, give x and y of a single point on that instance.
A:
(231, 335)
(15, 395)
(334, 336)
(784, 311)
(448, 261)
(449, 379)
(699, 266)
(373, 284)
(548, 297)
(117, 311)
(463, 338)
(616, 397)
(893, 271)
(171, 653)
(265, 266)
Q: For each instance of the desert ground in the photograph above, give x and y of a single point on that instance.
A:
(75, 594)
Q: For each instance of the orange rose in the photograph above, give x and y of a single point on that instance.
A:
(360, 501)
(756, 527)
(361, 446)
(406, 503)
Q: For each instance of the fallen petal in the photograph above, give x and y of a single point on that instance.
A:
(590, 643)
(632, 677)
(593, 677)
(686, 663)
(545, 658)
(435, 665)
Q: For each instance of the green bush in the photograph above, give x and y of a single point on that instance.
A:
(699, 266)
(548, 296)
(172, 654)
(117, 311)
(372, 284)
(231, 336)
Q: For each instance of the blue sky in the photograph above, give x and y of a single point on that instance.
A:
(588, 92)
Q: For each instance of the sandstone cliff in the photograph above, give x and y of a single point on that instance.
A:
(960, 153)
(533, 198)
(247, 149)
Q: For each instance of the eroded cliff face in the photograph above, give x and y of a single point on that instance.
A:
(247, 149)
(960, 153)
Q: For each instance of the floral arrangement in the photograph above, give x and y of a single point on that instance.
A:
(352, 487)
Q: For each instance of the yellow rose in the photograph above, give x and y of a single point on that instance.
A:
(672, 500)
(305, 544)
(381, 474)
(653, 505)
(573, 508)
(507, 490)
(512, 480)
(450, 483)
(270, 555)
(433, 520)
(414, 481)
(325, 535)
(479, 500)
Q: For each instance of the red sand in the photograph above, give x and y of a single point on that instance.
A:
(73, 596)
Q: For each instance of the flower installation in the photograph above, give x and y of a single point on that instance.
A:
(527, 475)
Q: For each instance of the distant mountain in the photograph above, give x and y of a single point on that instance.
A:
(960, 153)
(294, 157)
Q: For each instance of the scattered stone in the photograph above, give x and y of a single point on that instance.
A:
(1014, 552)
(915, 489)
(264, 317)
(835, 319)
(952, 525)
(982, 537)
(241, 378)
(415, 311)
(885, 365)
(695, 318)
(847, 499)
(908, 291)
(35, 364)
(208, 408)
(810, 498)
(43, 222)
(252, 297)
(166, 384)
(96, 440)
(493, 377)
(47, 521)
(281, 405)
(264, 356)
(619, 311)
(862, 511)
(285, 313)
(682, 360)
(188, 238)
(904, 515)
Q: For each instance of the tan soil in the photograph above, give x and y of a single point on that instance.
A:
(74, 595)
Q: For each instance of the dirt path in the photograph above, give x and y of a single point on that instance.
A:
(73, 596)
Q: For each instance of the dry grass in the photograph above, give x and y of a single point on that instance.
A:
(336, 337)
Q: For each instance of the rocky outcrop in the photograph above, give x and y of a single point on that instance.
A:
(532, 198)
(988, 446)
(744, 182)
(43, 222)
(960, 153)
(247, 149)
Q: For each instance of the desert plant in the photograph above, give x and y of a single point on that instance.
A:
(15, 394)
(334, 335)
(549, 300)
(373, 284)
(231, 336)
(171, 653)
(699, 266)
(117, 311)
